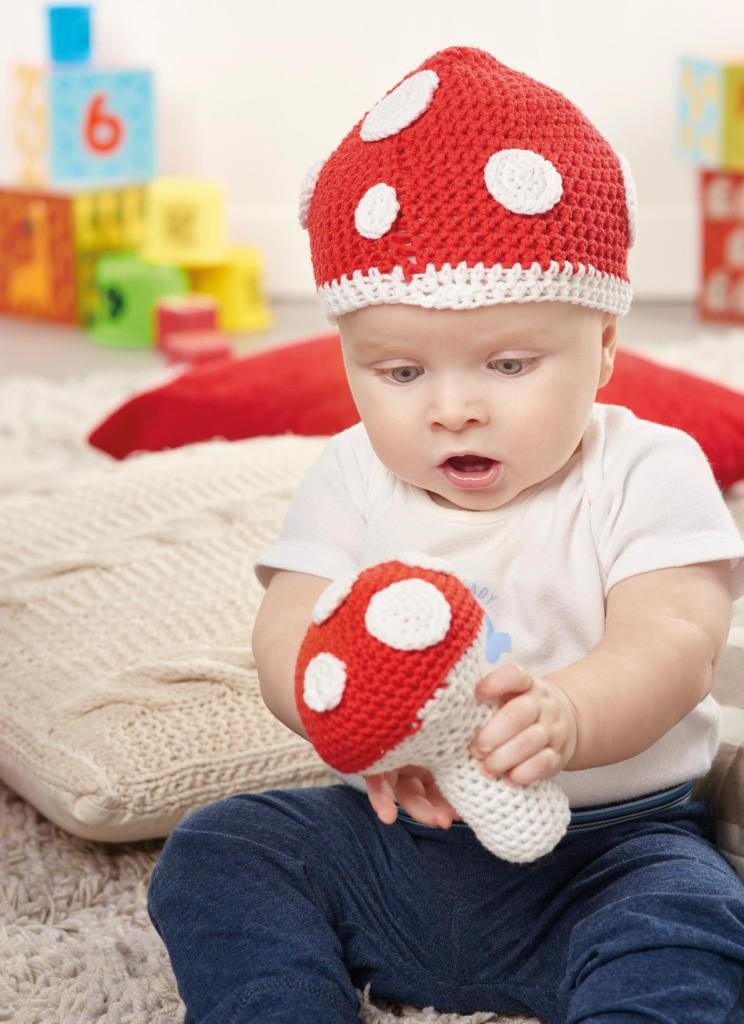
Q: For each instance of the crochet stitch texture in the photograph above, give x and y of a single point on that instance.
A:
(470, 184)
(386, 677)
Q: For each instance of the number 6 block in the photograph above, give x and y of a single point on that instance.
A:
(82, 126)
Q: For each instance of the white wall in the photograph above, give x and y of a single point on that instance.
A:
(252, 93)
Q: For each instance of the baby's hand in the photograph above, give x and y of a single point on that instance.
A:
(532, 734)
(416, 792)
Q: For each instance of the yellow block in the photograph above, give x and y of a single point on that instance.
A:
(108, 219)
(733, 124)
(237, 287)
(185, 223)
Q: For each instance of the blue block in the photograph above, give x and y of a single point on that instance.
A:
(69, 32)
(101, 126)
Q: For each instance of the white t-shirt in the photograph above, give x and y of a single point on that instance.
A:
(636, 497)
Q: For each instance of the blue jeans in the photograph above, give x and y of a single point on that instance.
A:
(275, 906)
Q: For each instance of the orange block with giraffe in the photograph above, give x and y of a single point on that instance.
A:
(50, 242)
(37, 256)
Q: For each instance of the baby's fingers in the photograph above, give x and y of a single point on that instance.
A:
(423, 801)
(508, 680)
(382, 797)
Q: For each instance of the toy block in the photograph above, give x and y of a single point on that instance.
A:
(128, 290)
(37, 256)
(66, 233)
(196, 347)
(76, 126)
(721, 294)
(185, 223)
(69, 32)
(184, 315)
(710, 112)
(237, 286)
(105, 221)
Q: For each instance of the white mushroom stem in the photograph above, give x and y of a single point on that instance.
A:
(516, 824)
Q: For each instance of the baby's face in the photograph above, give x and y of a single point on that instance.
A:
(513, 384)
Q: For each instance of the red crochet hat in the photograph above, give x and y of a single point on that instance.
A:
(470, 184)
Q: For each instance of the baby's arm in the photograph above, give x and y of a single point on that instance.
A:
(664, 634)
(281, 623)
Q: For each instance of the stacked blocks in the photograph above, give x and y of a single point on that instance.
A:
(186, 330)
(89, 236)
(711, 112)
(49, 244)
(711, 135)
(721, 295)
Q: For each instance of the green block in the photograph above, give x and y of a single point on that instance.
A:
(127, 290)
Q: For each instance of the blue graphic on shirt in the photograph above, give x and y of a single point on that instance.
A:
(496, 643)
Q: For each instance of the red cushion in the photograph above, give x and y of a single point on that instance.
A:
(301, 389)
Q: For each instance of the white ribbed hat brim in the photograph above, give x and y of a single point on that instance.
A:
(466, 287)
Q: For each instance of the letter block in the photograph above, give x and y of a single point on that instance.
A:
(75, 125)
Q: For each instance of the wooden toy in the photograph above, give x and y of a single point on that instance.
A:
(185, 223)
(74, 125)
(237, 286)
(721, 295)
(185, 314)
(69, 32)
(710, 112)
(50, 241)
(196, 346)
(128, 289)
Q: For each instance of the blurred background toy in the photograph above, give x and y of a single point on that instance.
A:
(85, 141)
(710, 134)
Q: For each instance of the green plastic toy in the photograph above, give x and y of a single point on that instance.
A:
(128, 288)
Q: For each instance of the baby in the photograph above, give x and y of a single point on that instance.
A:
(469, 236)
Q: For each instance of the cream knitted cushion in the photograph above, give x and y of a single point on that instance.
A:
(128, 691)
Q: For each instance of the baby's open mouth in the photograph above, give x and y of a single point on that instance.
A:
(469, 463)
(470, 471)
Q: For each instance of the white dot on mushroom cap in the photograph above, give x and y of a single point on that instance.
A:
(307, 188)
(333, 597)
(400, 108)
(420, 560)
(630, 199)
(324, 682)
(408, 615)
(376, 211)
(523, 181)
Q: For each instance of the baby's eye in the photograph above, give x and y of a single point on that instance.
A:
(407, 373)
(512, 367)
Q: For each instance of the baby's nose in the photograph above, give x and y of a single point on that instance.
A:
(452, 412)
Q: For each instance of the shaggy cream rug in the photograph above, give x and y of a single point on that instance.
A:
(76, 944)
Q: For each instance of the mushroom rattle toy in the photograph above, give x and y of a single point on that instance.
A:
(386, 676)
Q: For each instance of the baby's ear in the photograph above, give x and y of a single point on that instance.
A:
(609, 347)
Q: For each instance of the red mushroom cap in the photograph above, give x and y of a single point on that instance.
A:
(370, 687)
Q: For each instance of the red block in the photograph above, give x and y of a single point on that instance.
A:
(183, 314)
(196, 347)
(721, 295)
